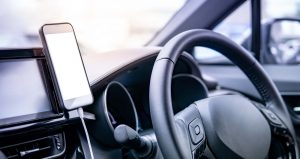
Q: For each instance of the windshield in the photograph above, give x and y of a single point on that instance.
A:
(100, 25)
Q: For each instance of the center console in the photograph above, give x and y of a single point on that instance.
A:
(50, 146)
(32, 124)
(26, 92)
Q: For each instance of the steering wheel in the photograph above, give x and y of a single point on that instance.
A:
(227, 126)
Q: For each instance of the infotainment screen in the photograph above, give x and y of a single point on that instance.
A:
(22, 90)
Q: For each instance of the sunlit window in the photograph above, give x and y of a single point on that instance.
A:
(100, 25)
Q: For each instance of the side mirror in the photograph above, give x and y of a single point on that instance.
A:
(284, 40)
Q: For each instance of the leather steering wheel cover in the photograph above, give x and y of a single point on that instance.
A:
(160, 85)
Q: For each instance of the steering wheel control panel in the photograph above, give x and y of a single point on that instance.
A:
(196, 131)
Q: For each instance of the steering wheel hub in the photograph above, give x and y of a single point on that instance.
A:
(234, 127)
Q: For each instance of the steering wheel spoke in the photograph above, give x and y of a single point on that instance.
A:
(190, 127)
(279, 130)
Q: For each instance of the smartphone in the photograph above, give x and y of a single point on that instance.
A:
(66, 66)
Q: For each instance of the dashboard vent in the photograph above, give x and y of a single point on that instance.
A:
(40, 148)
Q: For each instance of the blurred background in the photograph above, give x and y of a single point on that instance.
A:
(100, 25)
(104, 25)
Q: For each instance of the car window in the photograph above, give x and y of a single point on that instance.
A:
(100, 25)
(237, 25)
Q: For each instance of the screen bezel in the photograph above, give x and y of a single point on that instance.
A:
(54, 111)
(56, 28)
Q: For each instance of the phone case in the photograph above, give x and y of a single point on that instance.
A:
(57, 92)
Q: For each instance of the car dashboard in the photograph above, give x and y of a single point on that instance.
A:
(33, 125)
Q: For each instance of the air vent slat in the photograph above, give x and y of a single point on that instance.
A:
(38, 148)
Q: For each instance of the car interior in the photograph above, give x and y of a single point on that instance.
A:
(170, 79)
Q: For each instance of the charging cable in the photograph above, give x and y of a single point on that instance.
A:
(81, 115)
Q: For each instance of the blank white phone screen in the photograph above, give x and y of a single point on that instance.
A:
(67, 64)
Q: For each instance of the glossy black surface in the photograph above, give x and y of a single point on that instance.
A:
(26, 89)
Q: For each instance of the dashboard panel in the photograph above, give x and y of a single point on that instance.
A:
(130, 89)
(120, 85)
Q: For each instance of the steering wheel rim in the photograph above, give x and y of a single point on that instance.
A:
(162, 115)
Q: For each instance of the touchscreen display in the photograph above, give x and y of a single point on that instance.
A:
(22, 90)
(68, 65)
